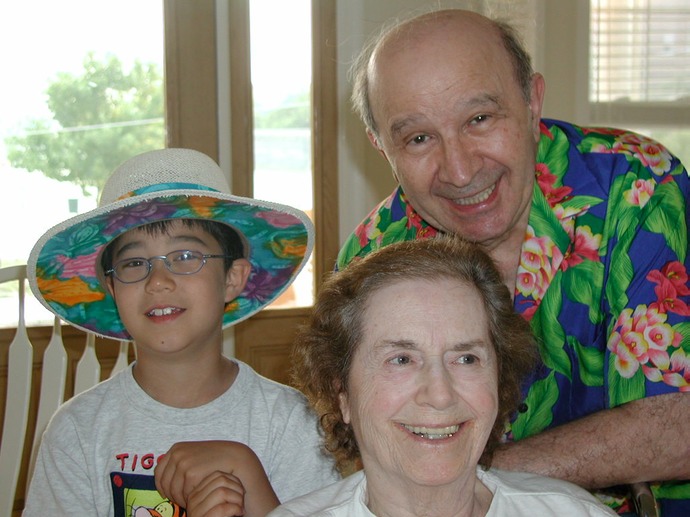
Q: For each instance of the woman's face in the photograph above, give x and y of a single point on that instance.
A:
(423, 392)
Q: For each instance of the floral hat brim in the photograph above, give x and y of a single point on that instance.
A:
(63, 267)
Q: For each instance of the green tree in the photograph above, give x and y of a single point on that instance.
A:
(100, 118)
(295, 113)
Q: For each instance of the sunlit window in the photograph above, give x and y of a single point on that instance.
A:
(281, 90)
(82, 91)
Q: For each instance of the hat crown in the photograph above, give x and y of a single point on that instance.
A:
(160, 167)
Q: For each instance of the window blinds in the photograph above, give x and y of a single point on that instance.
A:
(640, 52)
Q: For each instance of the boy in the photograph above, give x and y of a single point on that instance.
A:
(168, 260)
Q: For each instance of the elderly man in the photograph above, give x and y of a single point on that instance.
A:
(589, 228)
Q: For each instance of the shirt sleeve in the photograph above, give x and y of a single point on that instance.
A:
(646, 288)
(300, 464)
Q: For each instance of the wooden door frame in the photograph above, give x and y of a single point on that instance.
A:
(264, 340)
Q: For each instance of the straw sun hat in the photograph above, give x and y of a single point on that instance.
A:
(64, 266)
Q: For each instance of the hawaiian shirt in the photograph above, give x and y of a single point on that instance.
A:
(603, 277)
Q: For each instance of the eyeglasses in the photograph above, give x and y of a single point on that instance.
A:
(180, 262)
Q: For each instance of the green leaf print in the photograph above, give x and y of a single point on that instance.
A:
(544, 222)
(620, 277)
(349, 250)
(580, 202)
(590, 142)
(680, 170)
(683, 328)
(547, 328)
(585, 288)
(540, 400)
(555, 154)
(672, 490)
(622, 390)
(665, 214)
(590, 362)
(396, 232)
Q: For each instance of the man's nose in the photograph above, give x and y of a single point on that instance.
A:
(460, 162)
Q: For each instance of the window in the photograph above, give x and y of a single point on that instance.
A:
(639, 68)
(281, 98)
(83, 90)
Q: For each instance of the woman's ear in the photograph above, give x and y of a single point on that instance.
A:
(344, 403)
(236, 278)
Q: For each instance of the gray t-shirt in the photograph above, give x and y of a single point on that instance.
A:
(99, 450)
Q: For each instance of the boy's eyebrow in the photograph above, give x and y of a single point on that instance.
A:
(184, 238)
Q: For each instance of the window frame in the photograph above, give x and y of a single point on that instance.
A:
(196, 118)
(564, 41)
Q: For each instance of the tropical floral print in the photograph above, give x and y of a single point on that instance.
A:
(602, 279)
(66, 275)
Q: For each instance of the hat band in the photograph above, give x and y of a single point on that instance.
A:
(166, 186)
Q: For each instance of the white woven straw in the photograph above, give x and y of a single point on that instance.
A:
(171, 166)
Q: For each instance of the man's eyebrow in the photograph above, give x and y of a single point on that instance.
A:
(483, 100)
(398, 126)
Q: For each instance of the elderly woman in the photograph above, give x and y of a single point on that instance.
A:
(414, 358)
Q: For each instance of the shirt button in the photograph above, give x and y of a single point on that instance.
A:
(522, 408)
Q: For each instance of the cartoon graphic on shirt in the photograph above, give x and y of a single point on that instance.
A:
(164, 509)
(135, 495)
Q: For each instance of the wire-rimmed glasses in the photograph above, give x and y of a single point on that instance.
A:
(179, 262)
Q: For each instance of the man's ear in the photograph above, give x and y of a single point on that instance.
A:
(236, 278)
(536, 103)
(375, 142)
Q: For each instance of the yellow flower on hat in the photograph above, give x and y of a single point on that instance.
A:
(68, 292)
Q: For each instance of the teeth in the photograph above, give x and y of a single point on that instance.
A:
(162, 312)
(482, 196)
(433, 433)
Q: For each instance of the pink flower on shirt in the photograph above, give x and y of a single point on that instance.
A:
(679, 373)
(640, 192)
(369, 231)
(650, 153)
(672, 283)
(536, 269)
(643, 338)
(585, 246)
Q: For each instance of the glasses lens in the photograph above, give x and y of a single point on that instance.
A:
(185, 262)
(132, 270)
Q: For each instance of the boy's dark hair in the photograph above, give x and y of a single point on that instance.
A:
(229, 239)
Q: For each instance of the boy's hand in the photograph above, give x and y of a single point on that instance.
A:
(218, 495)
(187, 464)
